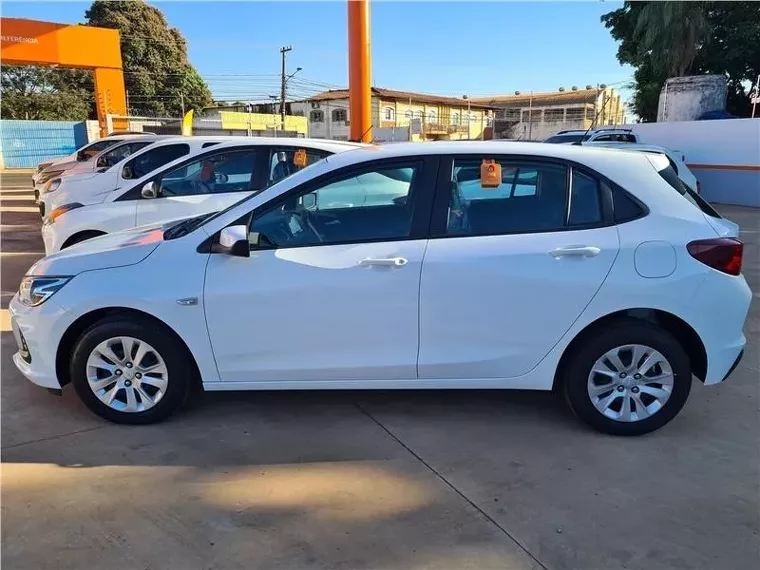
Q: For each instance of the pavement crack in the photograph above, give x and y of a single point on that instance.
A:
(52, 437)
(452, 487)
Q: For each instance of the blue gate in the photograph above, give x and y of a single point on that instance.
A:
(24, 144)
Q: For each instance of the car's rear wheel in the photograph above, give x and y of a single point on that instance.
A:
(629, 379)
(128, 370)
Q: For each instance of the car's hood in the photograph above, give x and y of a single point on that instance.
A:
(112, 250)
(74, 176)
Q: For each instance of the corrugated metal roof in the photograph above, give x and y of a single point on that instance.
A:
(551, 98)
(403, 96)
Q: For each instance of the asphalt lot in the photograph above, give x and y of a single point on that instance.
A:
(355, 480)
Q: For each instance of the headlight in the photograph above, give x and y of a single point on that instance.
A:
(45, 176)
(53, 185)
(61, 210)
(35, 290)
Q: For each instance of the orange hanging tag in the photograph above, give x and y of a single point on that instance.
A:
(299, 158)
(490, 174)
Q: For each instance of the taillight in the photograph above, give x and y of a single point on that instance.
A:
(723, 254)
(699, 187)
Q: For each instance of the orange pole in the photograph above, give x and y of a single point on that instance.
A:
(359, 88)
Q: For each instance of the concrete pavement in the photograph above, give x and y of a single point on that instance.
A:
(352, 480)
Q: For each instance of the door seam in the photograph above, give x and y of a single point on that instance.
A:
(419, 310)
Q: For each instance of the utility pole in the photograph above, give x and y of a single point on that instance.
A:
(283, 51)
(756, 97)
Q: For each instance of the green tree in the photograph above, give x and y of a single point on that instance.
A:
(666, 39)
(672, 33)
(158, 76)
(43, 93)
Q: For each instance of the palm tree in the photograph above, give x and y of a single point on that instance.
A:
(672, 32)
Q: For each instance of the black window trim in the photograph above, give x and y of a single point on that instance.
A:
(134, 193)
(421, 208)
(121, 144)
(439, 225)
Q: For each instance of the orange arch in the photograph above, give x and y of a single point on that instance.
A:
(30, 42)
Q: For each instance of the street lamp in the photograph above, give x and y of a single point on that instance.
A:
(283, 94)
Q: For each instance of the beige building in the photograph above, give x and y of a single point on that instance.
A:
(397, 116)
(536, 116)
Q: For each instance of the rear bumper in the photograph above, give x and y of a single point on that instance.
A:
(720, 309)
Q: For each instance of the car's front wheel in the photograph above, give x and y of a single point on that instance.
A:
(128, 370)
(629, 379)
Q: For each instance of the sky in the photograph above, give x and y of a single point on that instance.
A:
(448, 48)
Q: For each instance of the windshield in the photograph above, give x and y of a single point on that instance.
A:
(567, 138)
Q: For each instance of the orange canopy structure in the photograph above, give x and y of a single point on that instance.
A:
(30, 42)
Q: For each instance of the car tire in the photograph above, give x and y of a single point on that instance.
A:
(165, 360)
(635, 403)
(80, 237)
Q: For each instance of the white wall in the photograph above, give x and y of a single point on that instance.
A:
(724, 155)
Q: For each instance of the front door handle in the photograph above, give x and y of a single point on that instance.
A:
(576, 251)
(384, 262)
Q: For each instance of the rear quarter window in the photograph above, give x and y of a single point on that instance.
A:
(669, 175)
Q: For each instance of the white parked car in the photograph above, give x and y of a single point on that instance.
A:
(52, 169)
(206, 181)
(116, 167)
(676, 158)
(588, 270)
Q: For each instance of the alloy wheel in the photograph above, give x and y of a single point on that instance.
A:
(630, 383)
(127, 374)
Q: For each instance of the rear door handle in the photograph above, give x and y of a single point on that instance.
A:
(384, 262)
(576, 251)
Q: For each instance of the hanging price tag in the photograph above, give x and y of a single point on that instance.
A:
(299, 158)
(490, 174)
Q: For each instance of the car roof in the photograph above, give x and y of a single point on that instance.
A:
(318, 144)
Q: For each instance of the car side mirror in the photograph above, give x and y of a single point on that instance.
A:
(233, 240)
(309, 201)
(150, 190)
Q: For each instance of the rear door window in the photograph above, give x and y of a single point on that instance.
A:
(531, 198)
(148, 161)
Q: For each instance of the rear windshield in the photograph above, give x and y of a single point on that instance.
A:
(568, 138)
(669, 175)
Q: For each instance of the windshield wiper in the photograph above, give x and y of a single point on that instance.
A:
(185, 227)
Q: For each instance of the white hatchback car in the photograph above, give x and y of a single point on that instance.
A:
(590, 270)
(117, 167)
(52, 169)
(203, 176)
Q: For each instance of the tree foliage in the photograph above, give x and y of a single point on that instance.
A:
(158, 77)
(45, 94)
(667, 39)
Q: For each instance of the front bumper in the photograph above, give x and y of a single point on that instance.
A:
(38, 332)
(51, 238)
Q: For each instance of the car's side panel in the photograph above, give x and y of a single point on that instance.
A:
(133, 288)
